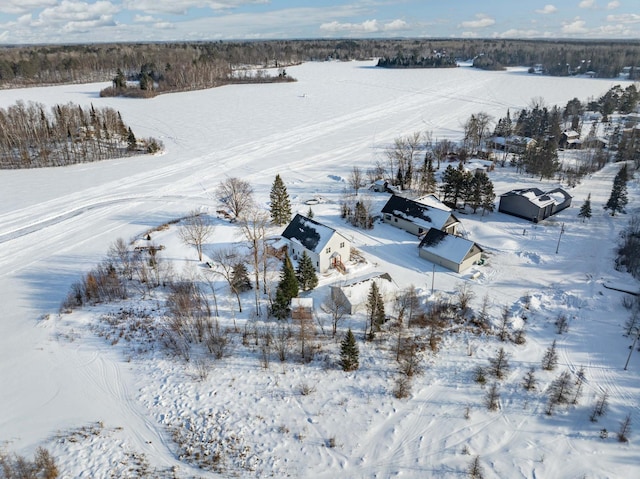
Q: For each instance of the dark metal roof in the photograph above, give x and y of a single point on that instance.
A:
(308, 232)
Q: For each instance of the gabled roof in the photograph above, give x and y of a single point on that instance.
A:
(540, 198)
(421, 211)
(447, 246)
(309, 233)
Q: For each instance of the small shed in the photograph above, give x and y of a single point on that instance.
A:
(450, 251)
(354, 292)
(301, 308)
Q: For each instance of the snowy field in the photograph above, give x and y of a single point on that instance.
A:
(105, 410)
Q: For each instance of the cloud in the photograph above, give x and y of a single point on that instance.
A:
(368, 26)
(547, 9)
(587, 4)
(180, 7)
(515, 33)
(625, 18)
(482, 21)
(575, 27)
(144, 19)
(75, 11)
(613, 5)
(24, 6)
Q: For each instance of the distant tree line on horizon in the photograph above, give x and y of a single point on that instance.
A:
(412, 61)
(32, 137)
(189, 65)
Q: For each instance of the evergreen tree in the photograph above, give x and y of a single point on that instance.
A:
(240, 278)
(428, 182)
(131, 140)
(280, 203)
(306, 274)
(618, 199)
(375, 310)
(310, 213)
(585, 209)
(349, 353)
(287, 289)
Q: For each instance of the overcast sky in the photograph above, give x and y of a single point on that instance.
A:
(82, 21)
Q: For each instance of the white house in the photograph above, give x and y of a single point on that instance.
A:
(452, 252)
(325, 246)
(417, 216)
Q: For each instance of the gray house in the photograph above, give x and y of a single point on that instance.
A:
(534, 204)
(419, 215)
(450, 251)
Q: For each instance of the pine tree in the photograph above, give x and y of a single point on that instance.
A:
(240, 278)
(280, 203)
(349, 353)
(618, 199)
(310, 214)
(131, 140)
(287, 288)
(585, 209)
(306, 274)
(375, 310)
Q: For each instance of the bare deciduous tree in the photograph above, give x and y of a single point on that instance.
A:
(356, 179)
(254, 226)
(236, 194)
(226, 259)
(336, 307)
(195, 230)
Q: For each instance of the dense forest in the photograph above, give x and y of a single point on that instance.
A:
(32, 137)
(203, 64)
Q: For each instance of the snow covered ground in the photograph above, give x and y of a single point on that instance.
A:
(105, 411)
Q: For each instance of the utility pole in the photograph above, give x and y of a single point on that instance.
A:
(559, 237)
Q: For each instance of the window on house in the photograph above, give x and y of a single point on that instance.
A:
(342, 245)
(420, 231)
(395, 220)
(387, 217)
(328, 250)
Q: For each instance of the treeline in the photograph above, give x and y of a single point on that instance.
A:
(412, 61)
(193, 64)
(32, 137)
(606, 59)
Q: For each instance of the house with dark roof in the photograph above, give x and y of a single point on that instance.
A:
(534, 204)
(419, 215)
(452, 252)
(325, 246)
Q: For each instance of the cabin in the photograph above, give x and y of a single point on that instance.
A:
(354, 293)
(325, 246)
(570, 139)
(534, 204)
(419, 215)
(511, 144)
(449, 251)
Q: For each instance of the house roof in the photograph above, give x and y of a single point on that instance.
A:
(356, 290)
(309, 233)
(539, 197)
(301, 303)
(447, 246)
(427, 211)
(512, 140)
